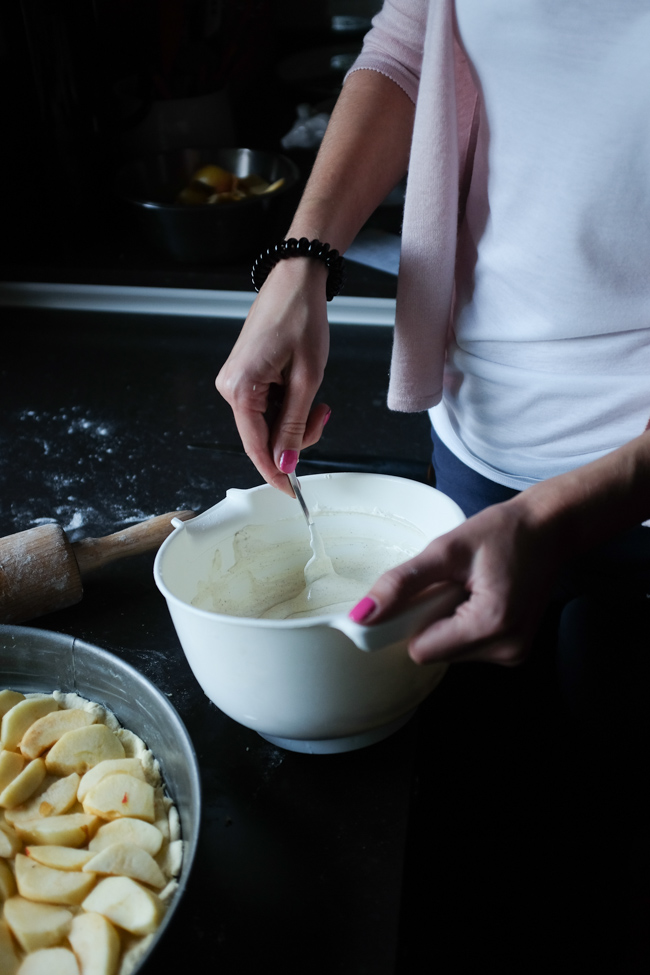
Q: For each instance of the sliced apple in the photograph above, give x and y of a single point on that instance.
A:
(38, 883)
(72, 829)
(132, 766)
(8, 957)
(36, 925)
(10, 842)
(145, 835)
(50, 961)
(11, 765)
(83, 748)
(59, 857)
(8, 699)
(127, 860)
(96, 944)
(125, 903)
(44, 732)
(55, 799)
(121, 795)
(17, 719)
(24, 785)
(7, 884)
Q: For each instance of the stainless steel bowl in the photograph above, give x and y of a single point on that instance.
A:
(33, 660)
(208, 233)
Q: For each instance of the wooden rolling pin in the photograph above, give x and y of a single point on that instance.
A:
(41, 570)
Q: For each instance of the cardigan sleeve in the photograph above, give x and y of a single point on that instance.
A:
(394, 46)
(414, 43)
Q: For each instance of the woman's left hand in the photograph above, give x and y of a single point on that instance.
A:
(505, 562)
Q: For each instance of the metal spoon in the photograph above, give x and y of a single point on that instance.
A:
(320, 564)
(293, 480)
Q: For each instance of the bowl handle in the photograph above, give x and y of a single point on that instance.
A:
(440, 600)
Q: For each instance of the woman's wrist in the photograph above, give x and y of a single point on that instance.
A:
(299, 273)
(577, 510)
(291, 249)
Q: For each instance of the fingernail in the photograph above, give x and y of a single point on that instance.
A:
(327, 416)
(362, 610)
(288, 461)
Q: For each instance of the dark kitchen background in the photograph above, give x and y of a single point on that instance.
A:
(88, 85)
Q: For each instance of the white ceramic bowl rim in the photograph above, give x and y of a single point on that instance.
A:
(254, 622)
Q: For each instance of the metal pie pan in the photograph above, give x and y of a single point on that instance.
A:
(33, 660)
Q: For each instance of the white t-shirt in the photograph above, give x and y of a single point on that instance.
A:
(550, 363)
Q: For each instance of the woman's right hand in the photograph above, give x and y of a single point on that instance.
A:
(285, 339)
(284, 343)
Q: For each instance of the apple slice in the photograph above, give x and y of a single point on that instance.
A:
(7, 885)
(96, 944)
(125, 903)
(8, 957)
(145, 835)
(50, 961)
(36, 925)
(132, 766)
(59, 857)
(38, 883)
(10, 842)
(55, 799)
(44, 732)
(8, 699)
(17, 719)
(127, 860)
(81, 749)
(11, 765)
(72, 829)
(24, 785)
(121, 795)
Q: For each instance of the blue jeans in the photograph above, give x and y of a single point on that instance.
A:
(469, 489)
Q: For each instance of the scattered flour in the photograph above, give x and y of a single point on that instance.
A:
(76, 469)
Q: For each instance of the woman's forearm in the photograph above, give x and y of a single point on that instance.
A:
(592, 503)
(363, 156)
(285, 338)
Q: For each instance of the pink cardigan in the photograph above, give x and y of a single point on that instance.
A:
(415, 44)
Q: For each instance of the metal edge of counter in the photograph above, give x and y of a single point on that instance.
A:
(176, 301)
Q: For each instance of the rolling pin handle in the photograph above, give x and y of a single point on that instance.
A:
(94, 553)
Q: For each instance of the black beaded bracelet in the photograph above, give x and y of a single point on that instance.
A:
(301, 248)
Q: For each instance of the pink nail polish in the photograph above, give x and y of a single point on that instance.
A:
(362, 610)
(327, 416)
(288, 461)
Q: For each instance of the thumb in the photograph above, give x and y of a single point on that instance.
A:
(288, 431)
(417, 579)
(291, 432)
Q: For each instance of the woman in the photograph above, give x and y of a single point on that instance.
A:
(522, 326)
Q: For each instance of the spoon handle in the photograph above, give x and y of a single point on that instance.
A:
(293, 480)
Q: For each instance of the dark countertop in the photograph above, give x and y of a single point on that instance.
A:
(440, 841)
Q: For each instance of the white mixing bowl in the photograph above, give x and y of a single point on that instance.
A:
(305, 684)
